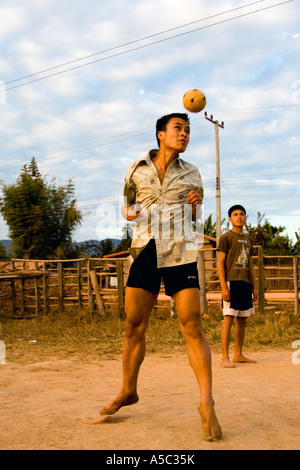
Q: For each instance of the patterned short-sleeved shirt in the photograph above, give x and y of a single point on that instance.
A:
(165, 214)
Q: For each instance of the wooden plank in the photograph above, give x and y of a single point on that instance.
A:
(120, 281)
(97, 292)
(261, 282)
(90, 289)
(60, 286)
(36, 288)
(79, 285)
(296, 280)
(45, 288)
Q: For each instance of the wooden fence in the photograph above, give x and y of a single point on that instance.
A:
(32, 287)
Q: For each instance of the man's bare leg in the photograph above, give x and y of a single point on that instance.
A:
(239, 341)
(138, 307)
(225, 340)
(188, 310)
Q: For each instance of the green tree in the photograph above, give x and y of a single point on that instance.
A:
(210, 227)
(3, 254)
(296, 247)
(271, 238)
(107, 246)
(40, 216)
(96, 248)
(125, 243)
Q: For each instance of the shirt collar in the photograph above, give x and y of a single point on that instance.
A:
(148, 158)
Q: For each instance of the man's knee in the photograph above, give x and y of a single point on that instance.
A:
(191, 326)
(135, 326)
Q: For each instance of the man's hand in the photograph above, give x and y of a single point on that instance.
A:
(195, 199)
(132, 213)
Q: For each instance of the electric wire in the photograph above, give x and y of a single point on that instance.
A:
(142, 46)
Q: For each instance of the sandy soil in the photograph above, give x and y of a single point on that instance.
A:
(55, 405)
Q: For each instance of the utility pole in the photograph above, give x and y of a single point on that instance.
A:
(218, 182)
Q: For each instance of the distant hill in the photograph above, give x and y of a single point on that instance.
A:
(95, 247)
(6, 244)
(114, 241)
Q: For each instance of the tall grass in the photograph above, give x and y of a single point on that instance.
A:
(73, 334)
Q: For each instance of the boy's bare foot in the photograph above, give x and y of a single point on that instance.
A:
(118, 402)
(243, 359)
(210, 425)
(227, 364)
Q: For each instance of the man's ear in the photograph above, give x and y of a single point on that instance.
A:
(160, 135)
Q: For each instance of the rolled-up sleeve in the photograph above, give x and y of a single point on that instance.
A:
(129, 192)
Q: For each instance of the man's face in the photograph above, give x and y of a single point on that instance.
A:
(238, 218)
(176, 136)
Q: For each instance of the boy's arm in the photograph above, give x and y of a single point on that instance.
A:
(222, 276)
(253, 278)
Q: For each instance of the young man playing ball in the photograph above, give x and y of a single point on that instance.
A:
(161, 190)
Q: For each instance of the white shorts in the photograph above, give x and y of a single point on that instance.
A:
(227, 310)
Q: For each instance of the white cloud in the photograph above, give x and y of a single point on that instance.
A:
(91, 122)
(11, 19)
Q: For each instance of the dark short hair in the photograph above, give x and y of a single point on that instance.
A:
(162, 122)
(234, 208)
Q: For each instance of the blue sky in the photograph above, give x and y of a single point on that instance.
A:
(99, 74)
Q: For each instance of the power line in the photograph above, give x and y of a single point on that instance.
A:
(130, 43)
(142, 46)
(117, 138)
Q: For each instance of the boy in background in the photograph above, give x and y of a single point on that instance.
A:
(238, 284)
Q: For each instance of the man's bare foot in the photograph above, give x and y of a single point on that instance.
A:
(210, 425)
(118, 402)
(243, 359)
(227, 364)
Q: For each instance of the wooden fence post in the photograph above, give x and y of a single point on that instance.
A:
(36, 290)
(90, 289)
(45, 287)
(296, 286)
(96, 290)
(261, 281)
(79, 284)
(13, 290)
(60, 285)
(120, 286)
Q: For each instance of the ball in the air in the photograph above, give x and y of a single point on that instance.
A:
(194, 100)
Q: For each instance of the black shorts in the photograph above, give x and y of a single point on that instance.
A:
(240, 295)
(240, 304)
(145, 274)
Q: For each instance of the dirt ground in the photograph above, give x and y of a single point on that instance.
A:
(55, 405)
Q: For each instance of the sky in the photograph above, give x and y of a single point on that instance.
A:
(83, 83)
